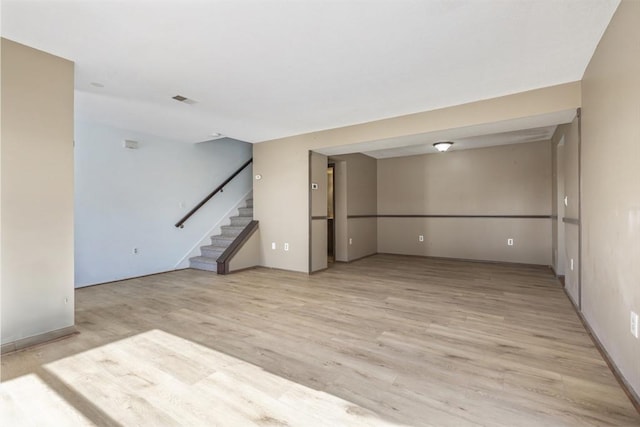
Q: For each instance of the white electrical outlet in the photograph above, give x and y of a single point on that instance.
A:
(286, 246)
(350, 241)
(571, 264)
(510, 242)
(421, 238)
(135, 250)
(273, 245)
(634, 324)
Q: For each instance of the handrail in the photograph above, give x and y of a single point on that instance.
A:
(180, 224)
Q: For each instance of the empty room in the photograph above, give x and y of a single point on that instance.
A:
(320, 213)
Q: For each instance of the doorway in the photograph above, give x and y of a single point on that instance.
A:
(331, 201)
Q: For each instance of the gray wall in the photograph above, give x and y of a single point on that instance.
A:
(611, 189)
(503, 180)
(37, 193)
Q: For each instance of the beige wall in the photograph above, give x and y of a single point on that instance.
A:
(474, 238)
(611, 189)
(360, 179)
(318, 164)
(571, 155)
(572, 248)
(571, 169)
(566, 183)
(557, 206)
(502, 180)
(341, 242)
(281, 203)
(248, 255)
(281, 197)
(37, 193)
(363, 233)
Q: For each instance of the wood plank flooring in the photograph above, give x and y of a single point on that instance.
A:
(385, 341)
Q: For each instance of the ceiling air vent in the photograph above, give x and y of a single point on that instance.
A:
(183, 99)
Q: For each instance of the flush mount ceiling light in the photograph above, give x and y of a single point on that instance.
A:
(443, 146)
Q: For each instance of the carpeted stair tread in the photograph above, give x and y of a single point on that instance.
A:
(211, 253)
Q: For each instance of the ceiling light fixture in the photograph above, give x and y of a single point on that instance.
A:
(443, 146)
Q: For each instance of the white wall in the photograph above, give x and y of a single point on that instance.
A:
(126, 199)
(37, 194)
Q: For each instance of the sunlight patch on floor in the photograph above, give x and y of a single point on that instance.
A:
(156, 378)
(29, 401)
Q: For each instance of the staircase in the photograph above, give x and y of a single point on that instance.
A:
(210, 253)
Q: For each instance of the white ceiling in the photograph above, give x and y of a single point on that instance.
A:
(260, 70)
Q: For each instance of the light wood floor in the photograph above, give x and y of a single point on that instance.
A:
(385, 341)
